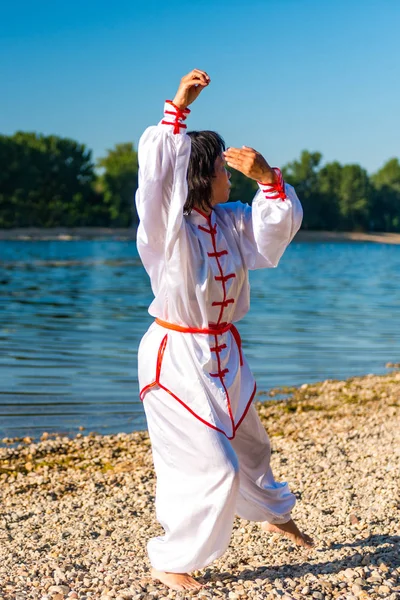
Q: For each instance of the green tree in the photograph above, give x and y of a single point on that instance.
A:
(355, 195)
(385, 208)
(303, 175)
(46, 181)
(329, 178)
(119, 182)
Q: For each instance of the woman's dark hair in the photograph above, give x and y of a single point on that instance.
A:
(206, 147)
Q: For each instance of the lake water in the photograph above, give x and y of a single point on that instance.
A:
(72, 314)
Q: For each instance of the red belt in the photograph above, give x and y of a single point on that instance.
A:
(213, 329)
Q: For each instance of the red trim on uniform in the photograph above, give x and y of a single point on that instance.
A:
(246, 409)
(217, 254)
(224, 277)
(212, 329)
(220, 374)
(212, 230)
(224, 303)
(146, 389)
(210, 425)
(186, 111)
(175, 114)
(238, 341)
(218, 348)
(160, 356)
(203, 214)
(275, 190)
(175, 125)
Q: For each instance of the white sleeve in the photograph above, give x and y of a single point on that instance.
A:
(163, 153)
(268, 226)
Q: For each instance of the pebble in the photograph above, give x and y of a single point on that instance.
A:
(76, 514)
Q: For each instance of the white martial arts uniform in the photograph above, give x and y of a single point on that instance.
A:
(211, 452)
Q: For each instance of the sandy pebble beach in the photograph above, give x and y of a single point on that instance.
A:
(76, 513)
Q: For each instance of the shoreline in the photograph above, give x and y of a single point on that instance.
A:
(77, 512)
(129, 233)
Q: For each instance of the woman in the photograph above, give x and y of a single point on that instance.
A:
(211, 453)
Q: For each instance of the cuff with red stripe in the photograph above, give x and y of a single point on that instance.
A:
(174, 117)
(276, 190)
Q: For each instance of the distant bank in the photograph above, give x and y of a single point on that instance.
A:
(129, 233)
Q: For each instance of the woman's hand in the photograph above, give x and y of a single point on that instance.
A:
(251, 163)
(190, 87)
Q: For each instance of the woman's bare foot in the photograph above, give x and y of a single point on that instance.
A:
(291, 531)
(176, 581)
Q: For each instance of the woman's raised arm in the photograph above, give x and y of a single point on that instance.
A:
(164, 152)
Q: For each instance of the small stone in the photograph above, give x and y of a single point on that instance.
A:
(233, 596)
(354, 520)
(349, 574)
(58, 575)
(383, 567)
(384, 589)
(59, 589)
(305, 591)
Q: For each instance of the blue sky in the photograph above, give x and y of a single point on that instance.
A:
(286, 75)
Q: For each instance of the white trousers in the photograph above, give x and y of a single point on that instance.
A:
(204, 480)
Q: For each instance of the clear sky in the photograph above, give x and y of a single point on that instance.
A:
(286, 75)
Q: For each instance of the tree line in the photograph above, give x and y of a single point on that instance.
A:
(50, 181)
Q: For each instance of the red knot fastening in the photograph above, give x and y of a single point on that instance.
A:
(217, 254)
(220, 374)
(218, 349)
(224, 277)
(224, 303)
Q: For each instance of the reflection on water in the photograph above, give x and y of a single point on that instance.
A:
(72, 315)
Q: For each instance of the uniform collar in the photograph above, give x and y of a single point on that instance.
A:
(199, 217)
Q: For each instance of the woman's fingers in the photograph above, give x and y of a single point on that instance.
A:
(240, 152)
(249, 162)
(236, 164)
(192, 82)
(196, 74)
(203, 74)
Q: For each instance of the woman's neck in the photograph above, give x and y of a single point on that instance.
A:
(203, 211)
